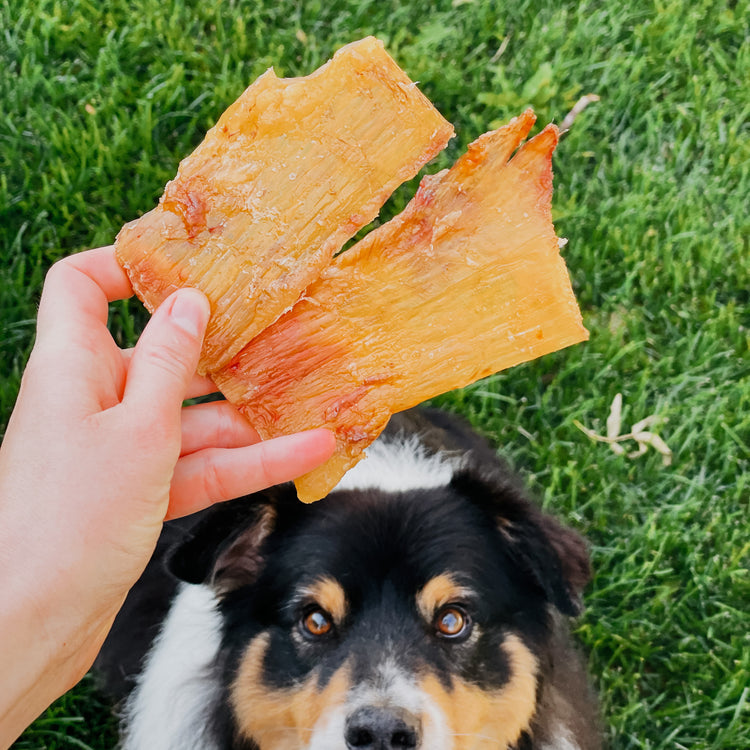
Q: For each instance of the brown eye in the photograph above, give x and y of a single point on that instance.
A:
(452, 622)
(317, 623)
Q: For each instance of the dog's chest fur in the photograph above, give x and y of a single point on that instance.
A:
(198, 667)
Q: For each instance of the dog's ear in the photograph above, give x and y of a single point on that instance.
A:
(224, 548)
(554, 556)
(572, 555)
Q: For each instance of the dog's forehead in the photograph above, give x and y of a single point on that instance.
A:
(363, 539)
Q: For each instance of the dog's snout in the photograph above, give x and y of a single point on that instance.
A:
(375, 728)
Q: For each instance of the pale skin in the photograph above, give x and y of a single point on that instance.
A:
(99, 451)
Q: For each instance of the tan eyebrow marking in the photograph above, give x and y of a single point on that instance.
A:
(439, 591)
(330, 595)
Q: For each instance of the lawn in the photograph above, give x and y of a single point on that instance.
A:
(100, 100)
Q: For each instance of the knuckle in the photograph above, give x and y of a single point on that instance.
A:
(61, 265)
(168, 357)
(56, 274)
(214, 484)
(266, 468)
(223, 427)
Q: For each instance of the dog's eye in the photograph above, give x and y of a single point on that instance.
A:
(317, 622)
(452, 622)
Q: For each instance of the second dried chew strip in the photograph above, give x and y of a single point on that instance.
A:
(290, 172)
(466, 281)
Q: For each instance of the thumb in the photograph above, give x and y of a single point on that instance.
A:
(166, 355)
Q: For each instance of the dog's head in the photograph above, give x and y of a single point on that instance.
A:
(417, 619)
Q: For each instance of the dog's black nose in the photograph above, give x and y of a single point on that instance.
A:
(374, 728)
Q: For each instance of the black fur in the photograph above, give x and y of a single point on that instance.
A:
(382, 548)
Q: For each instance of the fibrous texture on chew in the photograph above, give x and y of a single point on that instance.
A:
(287, 175)
(466, 281)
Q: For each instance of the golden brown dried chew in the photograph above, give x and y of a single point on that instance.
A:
(466, 281)
(287, 175)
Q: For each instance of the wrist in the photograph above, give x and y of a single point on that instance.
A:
(49, 638)
(42, 657)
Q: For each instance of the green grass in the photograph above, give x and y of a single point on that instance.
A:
(99, 101)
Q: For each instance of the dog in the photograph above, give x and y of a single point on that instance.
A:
(423, 605)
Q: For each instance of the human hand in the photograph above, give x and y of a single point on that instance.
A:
(98, 452)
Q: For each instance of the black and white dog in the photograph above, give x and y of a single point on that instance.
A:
(422, 604)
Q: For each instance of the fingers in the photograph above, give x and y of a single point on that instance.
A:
(215, 475)
(75, 361)
(215, 425)
(102, 267)
(76, 294)
(198, 385)
(165, 357)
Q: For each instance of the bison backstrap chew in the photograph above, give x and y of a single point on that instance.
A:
(290, 172)
(466, 281)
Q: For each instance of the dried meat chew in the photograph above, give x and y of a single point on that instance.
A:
(287, 175)
(466, 281)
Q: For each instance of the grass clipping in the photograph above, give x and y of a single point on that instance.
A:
(468, 280)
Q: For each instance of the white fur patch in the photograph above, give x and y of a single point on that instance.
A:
(169, 708)
(564, 741)
(328, 733)
(398, 465)
(390, 688)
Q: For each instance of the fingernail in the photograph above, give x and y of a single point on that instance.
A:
(190, 311)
